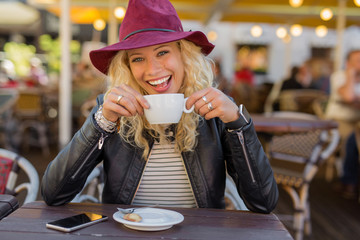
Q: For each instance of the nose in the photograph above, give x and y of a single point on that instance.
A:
(153, 67)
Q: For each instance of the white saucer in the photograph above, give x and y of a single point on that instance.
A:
(153, 219)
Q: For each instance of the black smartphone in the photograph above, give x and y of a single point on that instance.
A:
(76, 222)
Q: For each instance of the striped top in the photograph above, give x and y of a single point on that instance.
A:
(165, 181)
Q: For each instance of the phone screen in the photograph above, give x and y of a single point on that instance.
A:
(76, 222)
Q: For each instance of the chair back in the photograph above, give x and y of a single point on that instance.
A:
(302, 153)
(29, 104)
(299, 100)
(10, 177)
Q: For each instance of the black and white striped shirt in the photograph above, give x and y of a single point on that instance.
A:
(165, 181)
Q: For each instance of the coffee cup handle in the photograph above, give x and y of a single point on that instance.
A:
(188, 110)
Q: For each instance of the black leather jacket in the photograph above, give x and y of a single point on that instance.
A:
(218, 149)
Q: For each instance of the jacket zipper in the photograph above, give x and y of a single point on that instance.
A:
(99, 146)
(242, 142)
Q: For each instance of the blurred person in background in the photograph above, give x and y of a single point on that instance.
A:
(344, 103)
(300, 78)
(349, 181)
(220, 81)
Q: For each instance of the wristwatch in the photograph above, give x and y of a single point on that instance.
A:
(244, 115)
(242, 121)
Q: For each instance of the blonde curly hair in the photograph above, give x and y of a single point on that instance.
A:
(198, 75)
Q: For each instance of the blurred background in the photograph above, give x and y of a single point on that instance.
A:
(48, 85)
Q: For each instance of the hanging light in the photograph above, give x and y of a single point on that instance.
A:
(296, 30)
(99, 24)
(119, 12)
(256, 31)
(212, 35)
(295, 3)
(281, 32)
(357, 3)
(321, 31)
(326, 14)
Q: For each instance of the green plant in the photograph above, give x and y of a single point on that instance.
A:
(52, 49)
(20, 54)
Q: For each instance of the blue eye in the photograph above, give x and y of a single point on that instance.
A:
(138, 59)
(162, 53)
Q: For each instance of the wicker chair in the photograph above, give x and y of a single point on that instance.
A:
(299, 100)
(295, 159)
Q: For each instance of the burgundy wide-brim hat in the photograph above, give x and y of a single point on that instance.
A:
(147, 23)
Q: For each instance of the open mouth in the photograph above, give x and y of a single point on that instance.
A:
(160, 83)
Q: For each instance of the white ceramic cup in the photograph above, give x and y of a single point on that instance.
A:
(166, 108)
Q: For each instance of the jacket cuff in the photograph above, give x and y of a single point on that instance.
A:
(237, 124)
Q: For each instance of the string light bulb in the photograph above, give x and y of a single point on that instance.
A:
(256, 31)
(281, 32)
(119, 12)
(296, 30)
(99, 24)
(326, 14)
(321, 31)
(357, 3)
(212, 35)
(295, 3)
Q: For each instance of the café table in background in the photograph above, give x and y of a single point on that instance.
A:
(28, 222)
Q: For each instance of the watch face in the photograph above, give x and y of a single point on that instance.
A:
(244, 113)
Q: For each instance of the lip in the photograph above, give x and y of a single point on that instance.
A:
(163, 86)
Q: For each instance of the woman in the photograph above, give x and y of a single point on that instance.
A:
(155, 56)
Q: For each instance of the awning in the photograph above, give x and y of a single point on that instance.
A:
(16, 13)
(205, 11)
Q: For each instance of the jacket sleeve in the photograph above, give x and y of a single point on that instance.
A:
(250, 169)
(66, 175)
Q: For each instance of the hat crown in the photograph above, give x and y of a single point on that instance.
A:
(149, 14)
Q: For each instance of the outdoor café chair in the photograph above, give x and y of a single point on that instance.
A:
(295, 159)
(11, 165)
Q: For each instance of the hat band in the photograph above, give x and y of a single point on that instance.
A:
(148, 29)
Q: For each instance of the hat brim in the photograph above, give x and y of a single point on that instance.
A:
(101, 58)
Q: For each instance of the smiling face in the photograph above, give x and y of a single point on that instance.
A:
(158, 68)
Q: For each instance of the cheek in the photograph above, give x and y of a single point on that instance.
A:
(136, 72)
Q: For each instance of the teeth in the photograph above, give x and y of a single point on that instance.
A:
(157, 82)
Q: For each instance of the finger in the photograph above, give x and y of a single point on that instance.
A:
(120, 100)
(113, 111)
(140, 98)
(196, 98)
(130, 99)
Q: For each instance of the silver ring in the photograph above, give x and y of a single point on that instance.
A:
(118, 99)
(205, 99)
(210, 106)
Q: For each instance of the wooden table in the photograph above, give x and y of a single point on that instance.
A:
(277, 125)
(28, 222)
